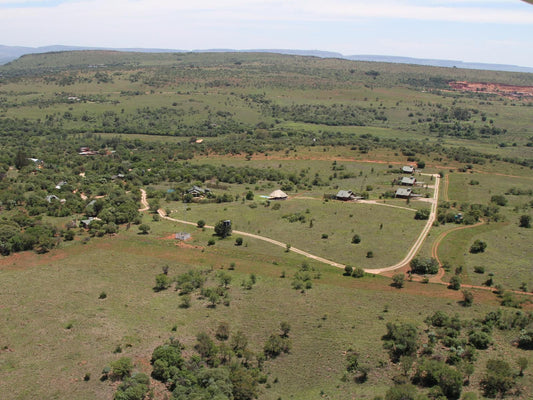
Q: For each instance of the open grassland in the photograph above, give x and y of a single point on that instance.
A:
(246, 125)
(57, 329)
(388, 235)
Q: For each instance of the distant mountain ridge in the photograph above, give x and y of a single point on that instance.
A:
(10, 53)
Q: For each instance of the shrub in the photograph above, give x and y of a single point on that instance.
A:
(222, 332)
(121, 368)
(370, 254)
(223, 229)
(525, 221)
(423, 266)
(238, 241)
(478, 247)
(480, 340)
(211, 242)
(356, 239)
(348, 270)
(162, 282)
(468, 298)
(358, 272)
(401, 339)
(499, 199)
(479, 270)
(422, 214)
(398, 280)
(455, 283)
(144, 228)
(185, 301)
(200, 223)
(102, 295)
(498, 378)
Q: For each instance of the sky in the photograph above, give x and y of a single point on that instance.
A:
(489, 31)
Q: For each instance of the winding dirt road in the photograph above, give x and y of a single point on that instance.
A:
(407, 259)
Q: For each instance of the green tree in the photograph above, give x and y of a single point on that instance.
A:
(222, 332)
(162, 282)
(455, 282)
(358, 272)
(420, 265)
(223, 228)
(468, 298)
(144, 228)
(525, 221)
(21, 159)
(200, 223)
(522, 363)
(398, 280)
(498, 378)
(121, 368)
(401, 392)
(356, 239)
(401, 339)
(285, 328)
(478, 246)
(348, 269)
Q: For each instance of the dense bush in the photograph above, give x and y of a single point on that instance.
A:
(423, 266)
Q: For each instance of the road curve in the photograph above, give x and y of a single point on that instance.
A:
(407, 259)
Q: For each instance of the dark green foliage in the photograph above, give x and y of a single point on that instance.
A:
(275, 345)
(206, 347)
(356, 239)
(422, 266)
(525, 341)
(438, 319)
(455, 282)
(478, 246)
(431, 372)
(401, 339)
(525, 221)
(238, 241)
(468, 298)
(422, 214)
(480, 340)
(162, 282)
(121, 368)
(499, 199)
(223, 229)
(144, 228)
(498, 378)
(222, 332)
(398, 280)
(402, 392)
(348, 270)
(200, 223)
(166, 359)
(134, 388)
(358, 272)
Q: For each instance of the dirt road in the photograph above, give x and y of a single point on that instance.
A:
(407, 259)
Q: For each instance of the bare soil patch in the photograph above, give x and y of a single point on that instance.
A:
(494, 88)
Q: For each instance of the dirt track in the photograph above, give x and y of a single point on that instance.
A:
(407, 259)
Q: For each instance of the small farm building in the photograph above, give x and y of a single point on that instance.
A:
(408, 181)
(403, 193)
(197, 191)
(345, 195)
(278, 195)
(183, 236)
(407, 169)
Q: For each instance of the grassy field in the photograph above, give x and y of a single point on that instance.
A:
(325, 125)
(57, 329)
